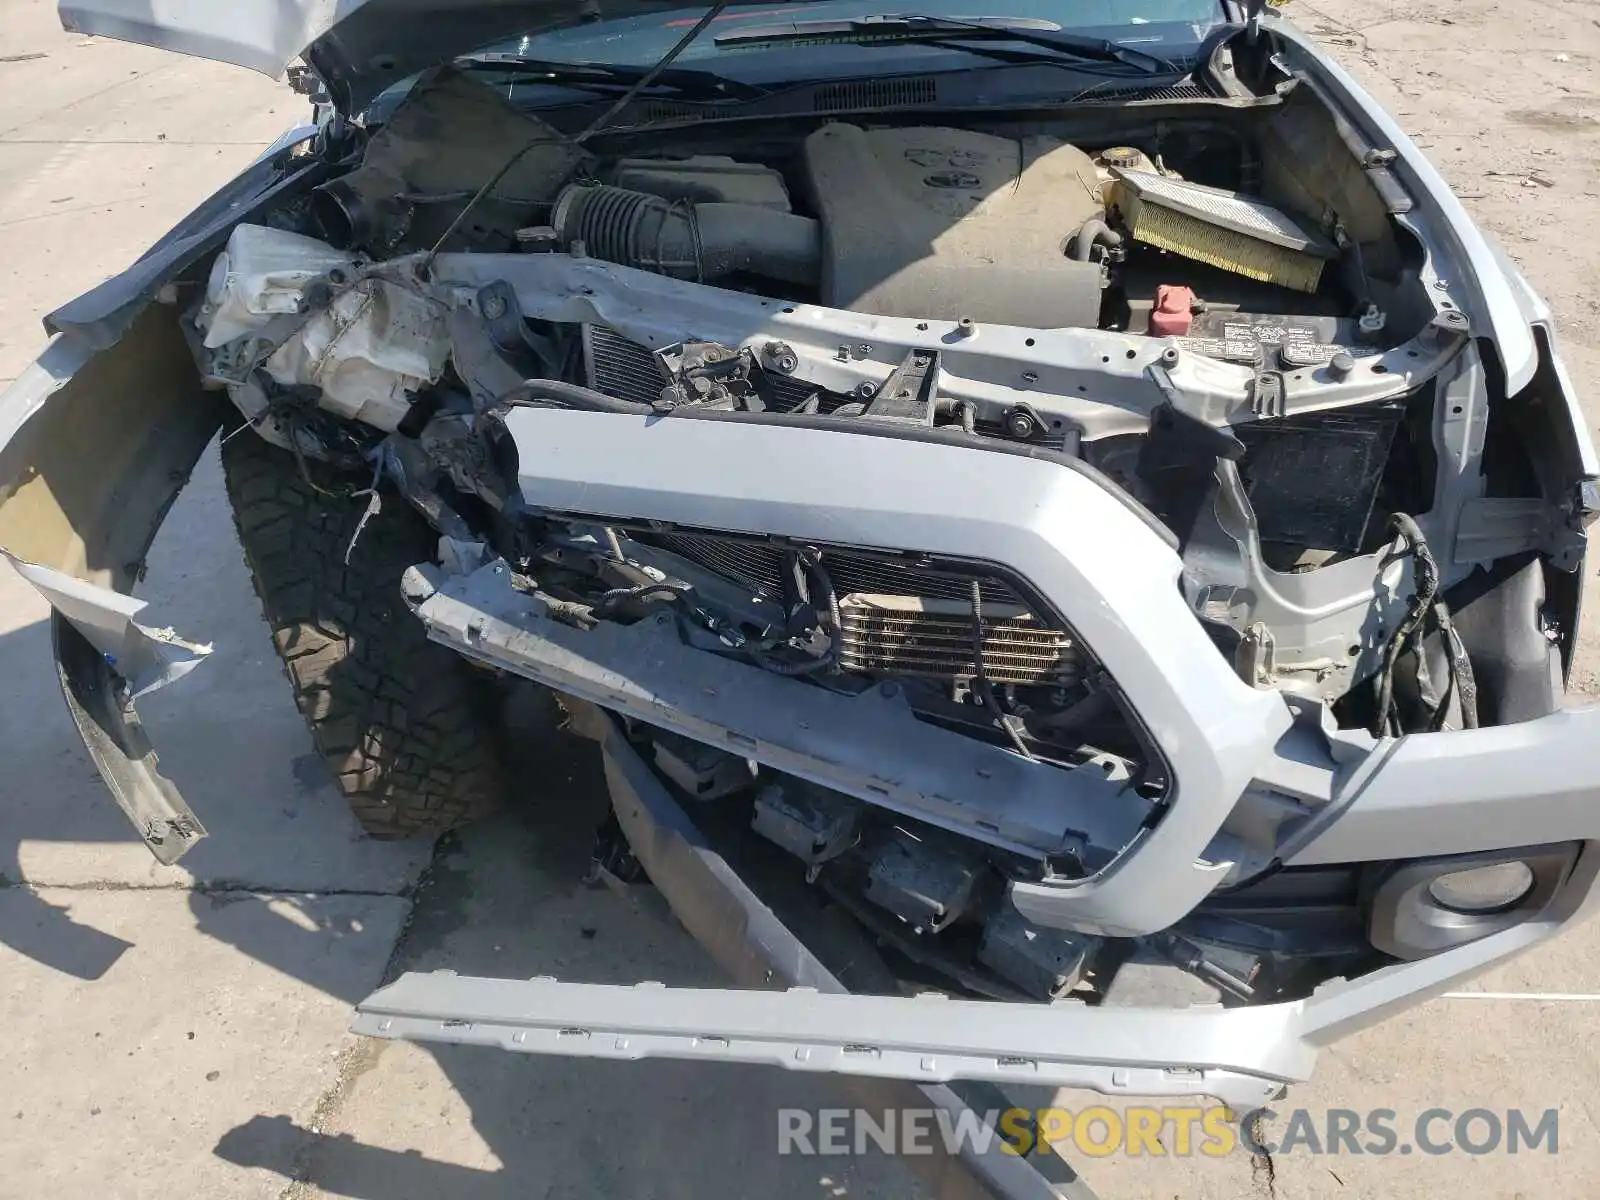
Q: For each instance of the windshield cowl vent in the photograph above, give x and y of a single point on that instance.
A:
(664, 110)
(875, 93)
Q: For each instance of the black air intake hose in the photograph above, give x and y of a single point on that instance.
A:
(688, 241)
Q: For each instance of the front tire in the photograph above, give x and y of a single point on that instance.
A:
(408, 728)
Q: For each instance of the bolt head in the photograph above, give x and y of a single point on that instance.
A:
(1020, 424)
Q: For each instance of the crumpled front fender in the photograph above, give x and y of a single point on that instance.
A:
(94, 448)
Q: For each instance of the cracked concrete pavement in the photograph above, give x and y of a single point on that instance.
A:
(182, 1030)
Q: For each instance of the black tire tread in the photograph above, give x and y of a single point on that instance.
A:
(406, 726)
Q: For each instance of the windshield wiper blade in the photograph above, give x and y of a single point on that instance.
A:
(919, 27)
(606, 77)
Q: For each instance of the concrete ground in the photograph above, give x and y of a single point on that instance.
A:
(180, 1031)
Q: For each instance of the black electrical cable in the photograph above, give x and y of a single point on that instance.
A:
(609, 600)
(981, 671)
(826, 601)
(588, 132)
(1461, 684)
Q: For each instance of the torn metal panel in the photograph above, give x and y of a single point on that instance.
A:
(122, 753)
(145, 659)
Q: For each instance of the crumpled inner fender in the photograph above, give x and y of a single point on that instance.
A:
(94, 448)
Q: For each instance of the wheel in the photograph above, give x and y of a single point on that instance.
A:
(408, 727)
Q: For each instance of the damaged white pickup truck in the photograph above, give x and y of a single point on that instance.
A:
(1067, 487)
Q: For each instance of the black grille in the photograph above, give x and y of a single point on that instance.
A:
(664, 110)
(759, 565)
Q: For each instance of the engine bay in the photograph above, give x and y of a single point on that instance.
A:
(1239, 341)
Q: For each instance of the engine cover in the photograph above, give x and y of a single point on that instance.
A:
(948, 223)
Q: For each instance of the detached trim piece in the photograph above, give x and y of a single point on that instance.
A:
(747, 940)
(1242, 1056)
(106, 660)
(145, 659)
(645, 671)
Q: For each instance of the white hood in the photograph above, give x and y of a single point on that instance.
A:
(358, 47)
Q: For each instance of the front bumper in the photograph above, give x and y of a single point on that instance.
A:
(1244, 1056)
(1098, 564)
(1354, 800)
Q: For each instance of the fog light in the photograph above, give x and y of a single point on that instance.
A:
(1483, 889)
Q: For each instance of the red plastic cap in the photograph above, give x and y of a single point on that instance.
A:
(1174, 311)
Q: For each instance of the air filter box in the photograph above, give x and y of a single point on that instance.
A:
(1223, 229)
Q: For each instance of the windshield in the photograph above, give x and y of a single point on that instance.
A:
(1168, 28)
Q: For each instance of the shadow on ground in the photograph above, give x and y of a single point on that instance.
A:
(33, 777)
(507, 898)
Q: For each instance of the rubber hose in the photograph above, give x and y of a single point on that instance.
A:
(1093, 231)
(688, 241)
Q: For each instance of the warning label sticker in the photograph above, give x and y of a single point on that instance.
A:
(1299, 342)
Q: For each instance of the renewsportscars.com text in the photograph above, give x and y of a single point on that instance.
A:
(1100, 1131)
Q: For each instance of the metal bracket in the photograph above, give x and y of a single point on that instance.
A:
(910, 391)
(1492, 527)
(508, 330)
(1267, 393)
(713, 374)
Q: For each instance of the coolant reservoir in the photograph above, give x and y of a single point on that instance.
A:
(1124, 158)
